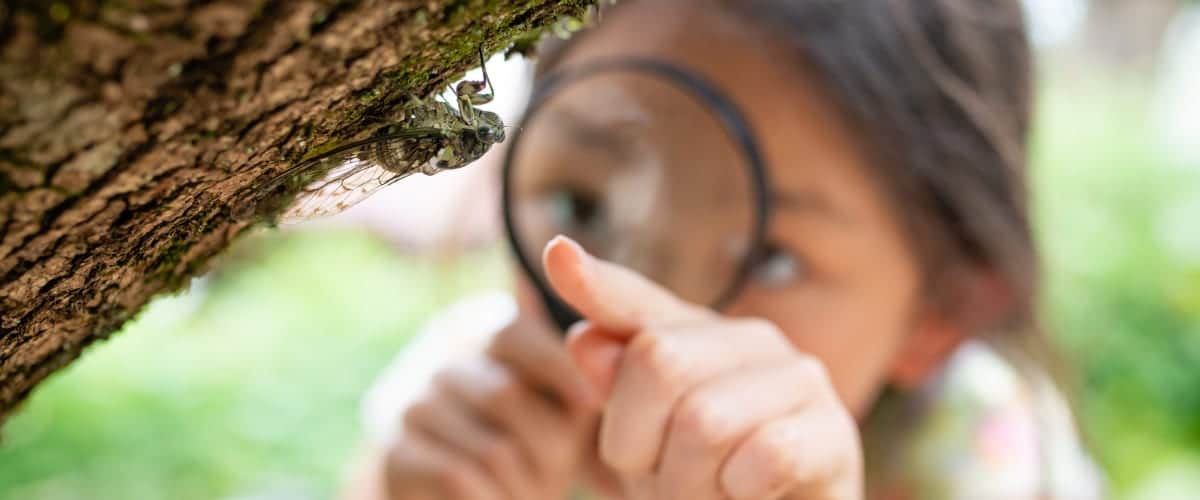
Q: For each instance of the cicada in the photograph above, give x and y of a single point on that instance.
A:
(433, 137)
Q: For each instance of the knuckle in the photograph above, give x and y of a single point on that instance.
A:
(811, 370)
(655, 356)
(504, 392)
(759, 325)
(774, 450)
(704, 421)
(763, 328)
(503, 339)
(403, 467)
(498, 454)
(442, 381)
(452, 477)
(417, 413)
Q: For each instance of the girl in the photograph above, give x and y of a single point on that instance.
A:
(886, 347)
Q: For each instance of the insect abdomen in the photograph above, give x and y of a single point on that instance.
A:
(405, 156)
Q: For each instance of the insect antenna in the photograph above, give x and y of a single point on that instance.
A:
(483, 66)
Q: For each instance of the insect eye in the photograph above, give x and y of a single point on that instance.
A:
(485, 132)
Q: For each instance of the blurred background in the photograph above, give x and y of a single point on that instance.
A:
(249, 384)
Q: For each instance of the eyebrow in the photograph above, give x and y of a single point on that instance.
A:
(806, 203)
(599, 136)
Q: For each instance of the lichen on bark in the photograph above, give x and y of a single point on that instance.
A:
(129, 129)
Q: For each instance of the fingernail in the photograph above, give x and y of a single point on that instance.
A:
(582, 255)
(576, 328)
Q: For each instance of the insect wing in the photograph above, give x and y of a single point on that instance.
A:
(355, 171)
(359, 180)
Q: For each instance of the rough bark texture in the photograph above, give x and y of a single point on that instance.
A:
(130, 128)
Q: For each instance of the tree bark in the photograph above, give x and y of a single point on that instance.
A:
(130, 130)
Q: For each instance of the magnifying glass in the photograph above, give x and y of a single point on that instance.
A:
(644, 164)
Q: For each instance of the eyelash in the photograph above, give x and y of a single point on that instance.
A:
(778, 267)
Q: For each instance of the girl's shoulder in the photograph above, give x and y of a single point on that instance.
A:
(981, 429)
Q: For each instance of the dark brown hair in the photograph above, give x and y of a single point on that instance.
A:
(941, 92)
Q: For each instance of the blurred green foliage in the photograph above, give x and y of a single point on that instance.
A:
(248, 386)
(1119, 226)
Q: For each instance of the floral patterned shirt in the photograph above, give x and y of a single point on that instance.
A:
(980, 430)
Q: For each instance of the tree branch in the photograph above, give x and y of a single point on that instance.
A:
(129, 130)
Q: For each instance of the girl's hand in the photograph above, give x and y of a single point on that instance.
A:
(510, 425)
(700, 406)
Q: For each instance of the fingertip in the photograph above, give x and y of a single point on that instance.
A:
(564, 260)
(562, 250)
(562, 239)
(617, 298)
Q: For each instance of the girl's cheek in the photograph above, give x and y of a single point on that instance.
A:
(856, 341)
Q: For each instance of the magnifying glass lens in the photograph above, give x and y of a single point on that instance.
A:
(640, 173)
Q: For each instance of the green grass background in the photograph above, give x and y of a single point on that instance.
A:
(248, 386)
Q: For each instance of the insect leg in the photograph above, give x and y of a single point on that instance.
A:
(465, 108)
(478, 98)
(446, 157)
(470, 93)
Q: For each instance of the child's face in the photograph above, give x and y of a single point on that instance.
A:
(844, 284)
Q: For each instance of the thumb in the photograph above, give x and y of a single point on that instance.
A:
(597, 354)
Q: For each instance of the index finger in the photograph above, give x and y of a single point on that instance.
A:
(611, 297)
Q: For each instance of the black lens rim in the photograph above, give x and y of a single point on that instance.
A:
(707, 94)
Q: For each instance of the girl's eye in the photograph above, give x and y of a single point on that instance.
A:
(778, 267)
(573, 209)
